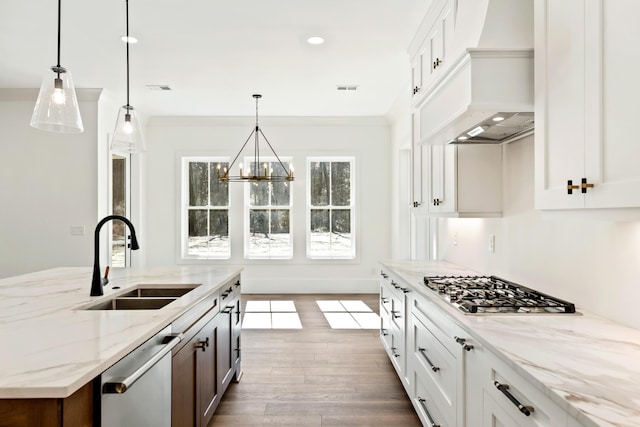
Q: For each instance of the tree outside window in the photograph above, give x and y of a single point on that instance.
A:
(331, 222)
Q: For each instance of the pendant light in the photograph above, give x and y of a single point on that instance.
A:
(57, 109)
(127, 136)
(259, 171)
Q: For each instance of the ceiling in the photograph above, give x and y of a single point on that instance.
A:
(215, 54)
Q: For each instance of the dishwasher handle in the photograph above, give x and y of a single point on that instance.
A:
(124, 384)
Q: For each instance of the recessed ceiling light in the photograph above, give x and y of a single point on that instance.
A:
(129, 39)
(315, 40)
(498, 118)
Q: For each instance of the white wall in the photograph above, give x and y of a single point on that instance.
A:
(365, 138)
(593, 263)
(48, 183)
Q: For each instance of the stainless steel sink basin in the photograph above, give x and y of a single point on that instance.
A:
(131, 304)
(143, 291)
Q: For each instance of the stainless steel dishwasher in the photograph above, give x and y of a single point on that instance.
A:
(136, 390)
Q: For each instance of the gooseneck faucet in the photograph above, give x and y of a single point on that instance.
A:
(98, 282)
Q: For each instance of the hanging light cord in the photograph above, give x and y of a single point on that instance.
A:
(59, 13)
(128, 41)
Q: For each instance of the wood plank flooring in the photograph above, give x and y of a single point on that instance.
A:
(315, 376)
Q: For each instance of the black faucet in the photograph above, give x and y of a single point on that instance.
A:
(98, 282)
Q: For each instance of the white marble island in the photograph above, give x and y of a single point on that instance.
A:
(587, 365)
(51, 346)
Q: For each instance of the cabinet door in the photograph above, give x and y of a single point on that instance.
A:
(613, 67)
(442, 174)
(560, 102)
(438, 45)
(209, 393)
(419, 165)
(236, 348)
(224, 349)
(416, 73)
(184, 387)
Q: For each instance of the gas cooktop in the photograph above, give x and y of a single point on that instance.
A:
(493, 295)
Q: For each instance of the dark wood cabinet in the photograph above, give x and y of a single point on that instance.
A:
(207, 362)
(73, 411)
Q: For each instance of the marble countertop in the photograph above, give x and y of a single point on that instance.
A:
(50, 347)
(588, 365)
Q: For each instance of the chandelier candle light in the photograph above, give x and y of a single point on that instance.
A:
(57, 108)
(263, 172)
(127, 136)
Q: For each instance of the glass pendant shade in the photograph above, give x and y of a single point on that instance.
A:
(127, 136)
(57, 108)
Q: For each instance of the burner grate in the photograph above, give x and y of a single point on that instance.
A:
(491, 294)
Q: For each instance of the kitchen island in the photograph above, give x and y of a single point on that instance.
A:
(586, 366)
(53, 346)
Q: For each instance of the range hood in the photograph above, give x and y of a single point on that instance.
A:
(482, 87)
(498, 129)
(489, 77)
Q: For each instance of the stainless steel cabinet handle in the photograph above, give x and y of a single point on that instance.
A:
(424, 354)
(119, 387)
(426, 411)
(504, 388)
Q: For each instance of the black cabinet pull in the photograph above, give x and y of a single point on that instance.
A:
(504, 388)
(462, 342)
(424, 354)
(383, 332)
(405, 290)
(426, 411)
(395, 285)
(571, 187)
(383, 274)
(203, 344)
(395, 314)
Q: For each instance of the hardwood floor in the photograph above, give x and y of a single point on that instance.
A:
(315, 376)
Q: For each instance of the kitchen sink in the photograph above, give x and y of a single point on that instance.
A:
(144, 291)
(131, 304)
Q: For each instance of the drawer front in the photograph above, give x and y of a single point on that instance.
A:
(526, 404)
(426, 407)
(437, 369)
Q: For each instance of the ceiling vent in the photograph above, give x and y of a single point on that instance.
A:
(347, 87)
(159, 87)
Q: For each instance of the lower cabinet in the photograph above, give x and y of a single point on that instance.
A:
(452, 379)
(206, 363)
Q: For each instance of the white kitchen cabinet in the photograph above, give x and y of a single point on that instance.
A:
(393, 305)
(586, 104)
(464, 181)
(432, 53)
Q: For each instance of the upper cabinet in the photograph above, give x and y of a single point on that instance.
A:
(458, 181)
(433, 54)
(586, 70)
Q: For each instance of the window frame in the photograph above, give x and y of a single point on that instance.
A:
(248, 208)
(352, 207)
(185, 208)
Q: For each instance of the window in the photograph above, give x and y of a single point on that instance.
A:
(268, 230)
(331, 208)
(206, 214)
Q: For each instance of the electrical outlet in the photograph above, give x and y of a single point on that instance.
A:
(492, 243)
(455, 238)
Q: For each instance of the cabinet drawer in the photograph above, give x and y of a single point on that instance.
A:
(438, 323)
(509, 390)
(437, 369)
(426, 407)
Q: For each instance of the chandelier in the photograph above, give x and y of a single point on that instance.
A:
(258, 170)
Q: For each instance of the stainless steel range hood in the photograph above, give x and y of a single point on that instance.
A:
(500, 128)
